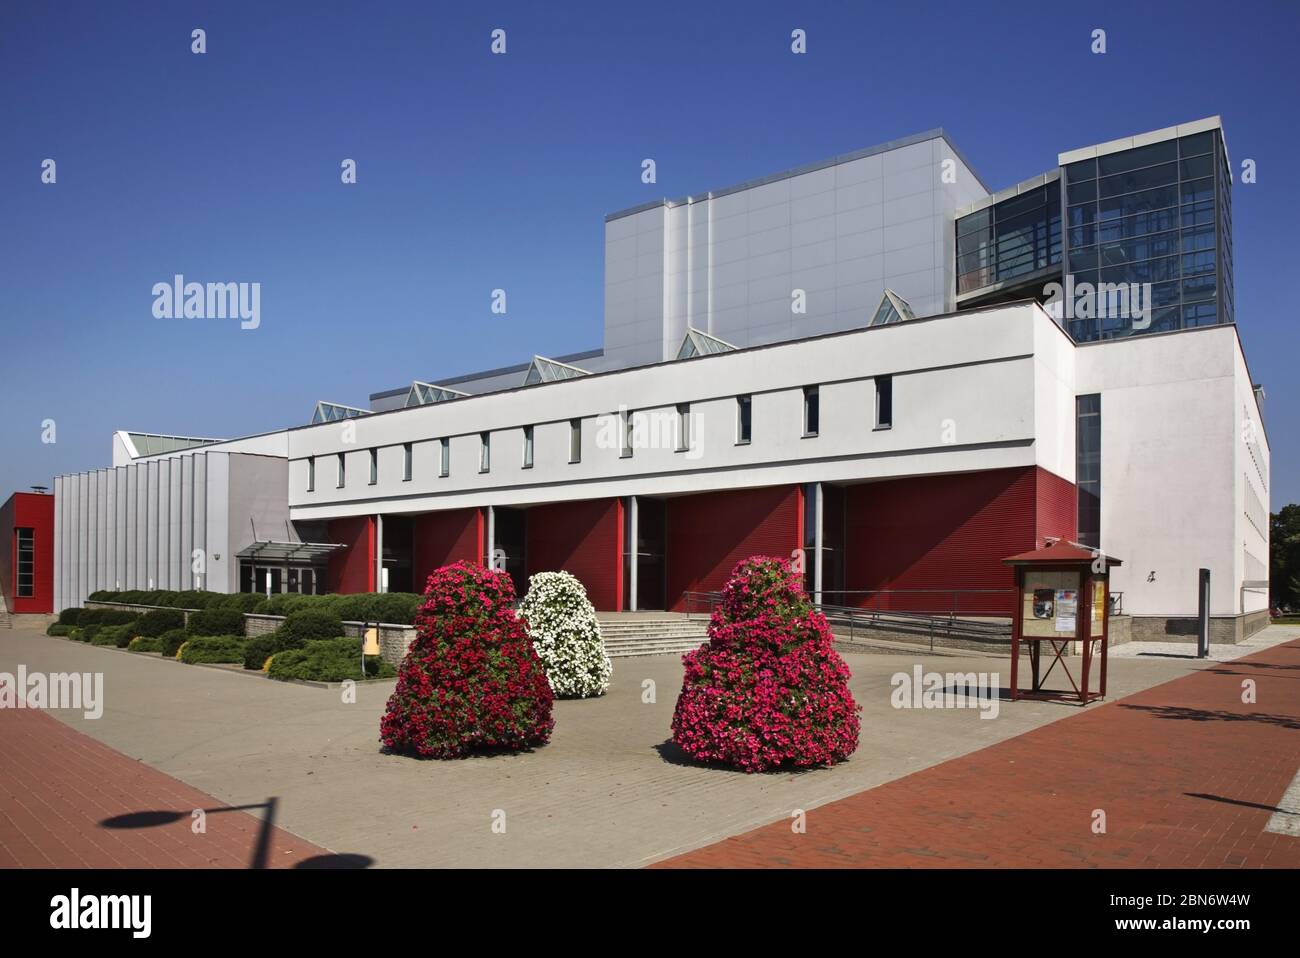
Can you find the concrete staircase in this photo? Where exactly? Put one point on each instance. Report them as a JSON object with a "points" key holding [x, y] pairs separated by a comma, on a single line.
{"points": [[641, 633]]}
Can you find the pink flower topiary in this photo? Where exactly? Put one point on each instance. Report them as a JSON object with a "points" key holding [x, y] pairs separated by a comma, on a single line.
{"points": [[471, 680], [768, 690]]}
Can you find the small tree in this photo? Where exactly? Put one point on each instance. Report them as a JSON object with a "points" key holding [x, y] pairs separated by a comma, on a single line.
{"points": [[471, 680], [566, 634], [768, 689]]}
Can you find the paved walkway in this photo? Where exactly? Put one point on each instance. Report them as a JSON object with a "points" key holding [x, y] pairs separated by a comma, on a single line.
{"points": [[607, 791], [68, 801], [1186, 774]]}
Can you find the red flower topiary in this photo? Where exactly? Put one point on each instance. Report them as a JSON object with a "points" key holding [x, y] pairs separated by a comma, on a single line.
{"points": [[471, 680], [768, 690]]}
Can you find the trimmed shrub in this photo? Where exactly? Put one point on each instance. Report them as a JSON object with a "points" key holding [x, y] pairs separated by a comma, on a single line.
{"points": [[113, 635], [562, 624], [146, 643], [471, 680], [397, 608], [77, 634], [216, 622], [155, 623], [88, 632], [239, 601], [170, 642], [69, 616], [307, 625], [58, 628], [212, 648], [767, 690], [327, 660]]}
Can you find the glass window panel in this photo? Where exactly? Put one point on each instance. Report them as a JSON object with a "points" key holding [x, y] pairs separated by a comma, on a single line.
{"points": [[1196, 190], [1136, 180], [1199, 314], [1199, 287], [1197, 143], [1163, 152], [1085, 258], [1081, 192], [1200, 262], [1083, 170], [1197, 167], [1156, 199], [974, 222]]}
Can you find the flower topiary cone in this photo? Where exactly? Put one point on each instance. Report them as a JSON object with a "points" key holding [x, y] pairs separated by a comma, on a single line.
{"points": [[768, 689], [566, 634], [471, 681]]}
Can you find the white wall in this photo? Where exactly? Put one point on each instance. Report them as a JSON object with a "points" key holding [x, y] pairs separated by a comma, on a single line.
{"points": [[728, 264], [969, 378], [1171, 467]]}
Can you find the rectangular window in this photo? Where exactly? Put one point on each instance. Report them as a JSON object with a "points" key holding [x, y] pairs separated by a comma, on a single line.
{"points": [[342, 471], [683, 426], [374, 466], [484, 451], [811, 410], [528, 447], [744, 419], [408, 454], [25, 573], [444, 458], [626, 451], [311, 473], [884, 402], [1087, 467], [575, 440]]}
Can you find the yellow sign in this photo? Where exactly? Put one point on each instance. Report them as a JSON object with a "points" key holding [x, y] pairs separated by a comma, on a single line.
{"points": [[370, 642]]}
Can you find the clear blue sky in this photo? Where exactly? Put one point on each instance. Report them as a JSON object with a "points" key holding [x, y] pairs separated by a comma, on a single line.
{"points": [[480, 171]]}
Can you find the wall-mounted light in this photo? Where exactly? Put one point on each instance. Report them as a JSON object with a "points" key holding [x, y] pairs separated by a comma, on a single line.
{"points": [[1151, 576]]}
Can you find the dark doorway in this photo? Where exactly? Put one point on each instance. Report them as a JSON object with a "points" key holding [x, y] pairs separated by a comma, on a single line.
{"points": [[649, 554], [398, 538], [511, 533]]}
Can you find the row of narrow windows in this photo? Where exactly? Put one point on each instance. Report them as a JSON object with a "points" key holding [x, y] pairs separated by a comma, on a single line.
{"points": [[884, 414]]}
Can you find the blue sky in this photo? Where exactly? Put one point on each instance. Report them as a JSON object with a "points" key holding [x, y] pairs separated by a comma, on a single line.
{"points": [[478, 171]]}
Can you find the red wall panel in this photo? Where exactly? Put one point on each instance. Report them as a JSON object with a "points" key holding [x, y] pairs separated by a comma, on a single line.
{"points": [[930, 535], [29, 510], [584, 538], [441, 538], [709, 533], [1058, 508], [353, 569]]}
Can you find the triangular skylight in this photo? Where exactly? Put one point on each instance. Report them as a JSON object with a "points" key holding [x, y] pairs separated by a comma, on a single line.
{"points": [[698, 343], [892, 309], [334, 412], [543, 370], [422, 394]]}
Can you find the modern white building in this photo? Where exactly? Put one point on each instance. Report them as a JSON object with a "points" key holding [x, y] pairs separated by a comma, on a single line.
{"points": [[850, 363]]}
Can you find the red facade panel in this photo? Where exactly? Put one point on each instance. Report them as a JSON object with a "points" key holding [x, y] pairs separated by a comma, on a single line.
{"points": [[709, 533], [920, 541], [441, 538], [584, 538], [29, 510], [1057, 508], [353, 569]]}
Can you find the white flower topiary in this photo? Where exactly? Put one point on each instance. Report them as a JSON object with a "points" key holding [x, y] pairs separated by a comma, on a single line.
{"points": [[566, 635]]}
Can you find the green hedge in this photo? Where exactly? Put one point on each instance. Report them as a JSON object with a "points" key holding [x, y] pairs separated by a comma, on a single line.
{"points": [[155, 623], [58, 628], [396, 608], [146, 643], [328, 660], [216, 622], [189, 599], [116, 636], [90, 617], [170, 642], [213, 648], [69, 616]]}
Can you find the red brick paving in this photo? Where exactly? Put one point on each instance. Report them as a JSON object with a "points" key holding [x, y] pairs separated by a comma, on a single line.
{"points": [[57, 786], [1186, 773]]}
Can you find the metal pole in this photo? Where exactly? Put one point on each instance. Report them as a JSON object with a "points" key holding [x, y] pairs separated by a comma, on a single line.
{"points": [[1203, 615]]}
